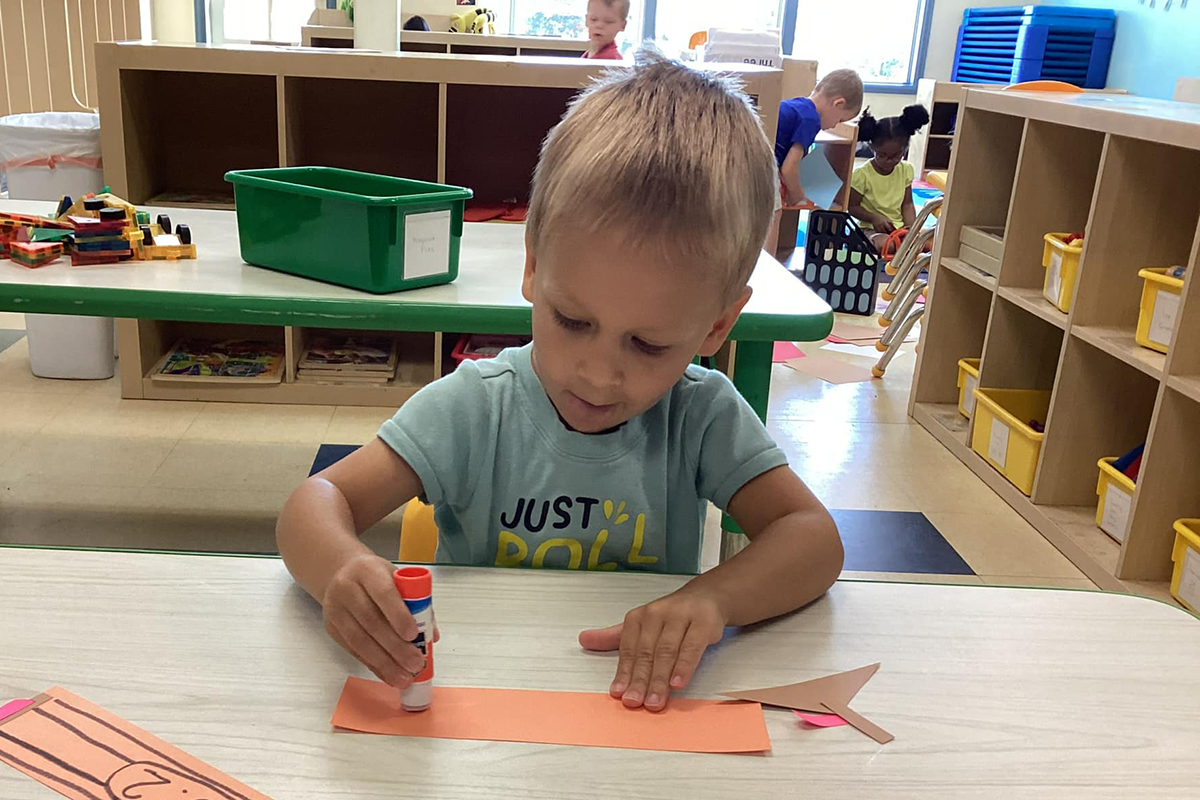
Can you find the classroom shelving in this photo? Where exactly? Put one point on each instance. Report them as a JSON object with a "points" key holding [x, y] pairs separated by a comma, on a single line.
{"points": [[175, 118], [1126, 171]]}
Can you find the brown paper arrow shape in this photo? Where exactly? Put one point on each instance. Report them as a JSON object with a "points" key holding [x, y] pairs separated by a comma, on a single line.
{"points": [[828, 695]]}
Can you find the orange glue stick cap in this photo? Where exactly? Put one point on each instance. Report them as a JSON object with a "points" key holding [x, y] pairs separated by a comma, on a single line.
{"points": [[413, 582]]}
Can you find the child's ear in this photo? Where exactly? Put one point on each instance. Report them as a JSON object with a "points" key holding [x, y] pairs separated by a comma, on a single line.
{"points": [[720, 329], [530, 268]]}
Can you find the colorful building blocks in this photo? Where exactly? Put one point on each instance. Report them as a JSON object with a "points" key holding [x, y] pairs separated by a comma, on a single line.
{"points": [[33, 255]]}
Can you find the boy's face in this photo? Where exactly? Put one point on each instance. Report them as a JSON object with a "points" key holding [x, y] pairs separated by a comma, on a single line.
{"points": [[604, 22], [834, 112], [614, 328]]}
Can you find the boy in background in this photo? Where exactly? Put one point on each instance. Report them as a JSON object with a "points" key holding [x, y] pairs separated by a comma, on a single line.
{"points": [[604, 20], [837, 98], [598, 445]]}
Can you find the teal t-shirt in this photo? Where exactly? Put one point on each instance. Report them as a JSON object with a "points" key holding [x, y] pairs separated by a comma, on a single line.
{"points": [[511, 485]]}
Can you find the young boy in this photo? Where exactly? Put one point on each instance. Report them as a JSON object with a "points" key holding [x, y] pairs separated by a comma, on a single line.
{"points": [[604, 20], [596, 446], [837, 98]]}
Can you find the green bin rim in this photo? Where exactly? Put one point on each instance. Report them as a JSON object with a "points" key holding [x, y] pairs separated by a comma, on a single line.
{"points": [[267, 179]]}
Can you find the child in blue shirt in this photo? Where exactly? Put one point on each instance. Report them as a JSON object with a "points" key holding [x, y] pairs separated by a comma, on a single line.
{"points": [[837, 98], [598, 445]]}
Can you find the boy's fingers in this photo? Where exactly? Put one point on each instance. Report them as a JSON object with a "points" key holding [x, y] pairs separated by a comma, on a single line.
{"points": [[602, 640], [642, 652], [371, 619], [666, 651], [629, 634], [385, 597], [690, 651], [346, 631]]}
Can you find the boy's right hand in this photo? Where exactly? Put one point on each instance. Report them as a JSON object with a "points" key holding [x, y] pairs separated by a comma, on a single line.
{"points": [[365, 615], [884, 225]]}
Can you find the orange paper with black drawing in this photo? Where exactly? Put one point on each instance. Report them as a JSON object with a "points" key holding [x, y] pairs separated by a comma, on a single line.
{"points": [[572, 718], [83, 752]]}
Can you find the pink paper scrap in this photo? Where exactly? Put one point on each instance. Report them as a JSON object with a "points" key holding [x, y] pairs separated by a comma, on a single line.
{"points": [[821, 720]]}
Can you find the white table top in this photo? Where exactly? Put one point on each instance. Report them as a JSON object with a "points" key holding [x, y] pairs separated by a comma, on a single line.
{"points": [[491, 261], [991, 692]]}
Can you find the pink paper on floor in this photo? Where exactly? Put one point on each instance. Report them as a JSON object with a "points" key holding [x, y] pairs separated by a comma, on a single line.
{"points": [[785, 350], [830, 370], [822, 720]]}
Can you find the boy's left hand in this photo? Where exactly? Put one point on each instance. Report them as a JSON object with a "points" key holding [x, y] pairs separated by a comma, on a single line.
{"points": [[660, 645]]}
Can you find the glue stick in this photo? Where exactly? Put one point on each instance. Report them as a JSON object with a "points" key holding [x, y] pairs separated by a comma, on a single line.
{"points": [[415, 585]]}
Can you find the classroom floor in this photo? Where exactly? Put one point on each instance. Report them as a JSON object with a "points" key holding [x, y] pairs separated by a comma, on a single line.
{"points": [[80, 466]]}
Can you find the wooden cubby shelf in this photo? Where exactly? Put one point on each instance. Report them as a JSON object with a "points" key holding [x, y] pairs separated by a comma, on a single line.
{"points": [[475, 120], [1126, 171]]}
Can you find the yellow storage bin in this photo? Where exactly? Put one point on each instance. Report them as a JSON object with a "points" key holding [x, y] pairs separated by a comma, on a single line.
{"points": [[1160, 307], [1185, 581], [968, 382], [1115, 491], [1061, 261], [1002, 433]]}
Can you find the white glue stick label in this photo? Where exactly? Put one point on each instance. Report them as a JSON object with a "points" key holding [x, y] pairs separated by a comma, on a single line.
{"points": [[415, 585]]}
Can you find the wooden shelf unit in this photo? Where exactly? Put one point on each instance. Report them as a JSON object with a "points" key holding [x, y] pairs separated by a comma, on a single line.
{"points": [[1126, 171], [176, 118], [494, 44]]}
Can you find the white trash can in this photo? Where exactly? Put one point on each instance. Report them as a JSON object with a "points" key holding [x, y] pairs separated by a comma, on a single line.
{"points": [[44, 156]]}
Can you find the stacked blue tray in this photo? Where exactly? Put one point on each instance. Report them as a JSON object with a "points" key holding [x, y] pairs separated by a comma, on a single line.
{"points": [[1029, 43]]}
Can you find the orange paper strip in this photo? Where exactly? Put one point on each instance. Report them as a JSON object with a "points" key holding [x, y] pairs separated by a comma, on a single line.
{"points": [[83, 752], [574, 718]]}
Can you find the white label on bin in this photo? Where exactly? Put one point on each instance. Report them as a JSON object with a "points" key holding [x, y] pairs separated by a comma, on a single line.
{"points": [[1162, 322], [1054, 278], [998, 444], [426, 244], [971, 384], [1189, 581], [1117, 503]]}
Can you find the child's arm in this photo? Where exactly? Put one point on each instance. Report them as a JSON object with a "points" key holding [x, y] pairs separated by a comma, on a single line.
{"points": [[908, 210], [790, 173], [877, 221], [318, 536], [793, 557]]}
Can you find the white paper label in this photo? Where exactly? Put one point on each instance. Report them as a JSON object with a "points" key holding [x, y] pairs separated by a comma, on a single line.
{"points": [[1189, 581], [1054, 278], [1117, 503], [998, 444], [426, 244], [969, 394], [1162, 321]]}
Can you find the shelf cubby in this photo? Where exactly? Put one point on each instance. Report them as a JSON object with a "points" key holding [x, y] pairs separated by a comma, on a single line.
{"points": [[180, 138], [1102, 407], [1168, 489], [1147, 204], [497, 161], [1021, 350], [956, 332], [983, 167], [1056, 178], [400, 138], [1185, 355]]}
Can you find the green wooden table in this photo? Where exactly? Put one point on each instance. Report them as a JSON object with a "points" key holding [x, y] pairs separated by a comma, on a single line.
{"points": [[486, 298]]}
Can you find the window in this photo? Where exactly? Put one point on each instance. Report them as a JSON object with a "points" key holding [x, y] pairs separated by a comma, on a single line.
{"points": [[882, 39], [676, 20], [258, 20], [565, 18]]}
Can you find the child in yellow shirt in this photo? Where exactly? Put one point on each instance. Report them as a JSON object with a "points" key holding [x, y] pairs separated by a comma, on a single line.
{"points": [[881, 189]]}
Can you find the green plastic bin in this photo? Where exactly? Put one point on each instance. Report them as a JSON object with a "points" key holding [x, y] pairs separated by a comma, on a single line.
{"points": [[370, 232]]}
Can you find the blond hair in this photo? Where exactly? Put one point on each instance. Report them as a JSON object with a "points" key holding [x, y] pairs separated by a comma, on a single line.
{"points": [[667, 158], [843, 83], [622, 6]]}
